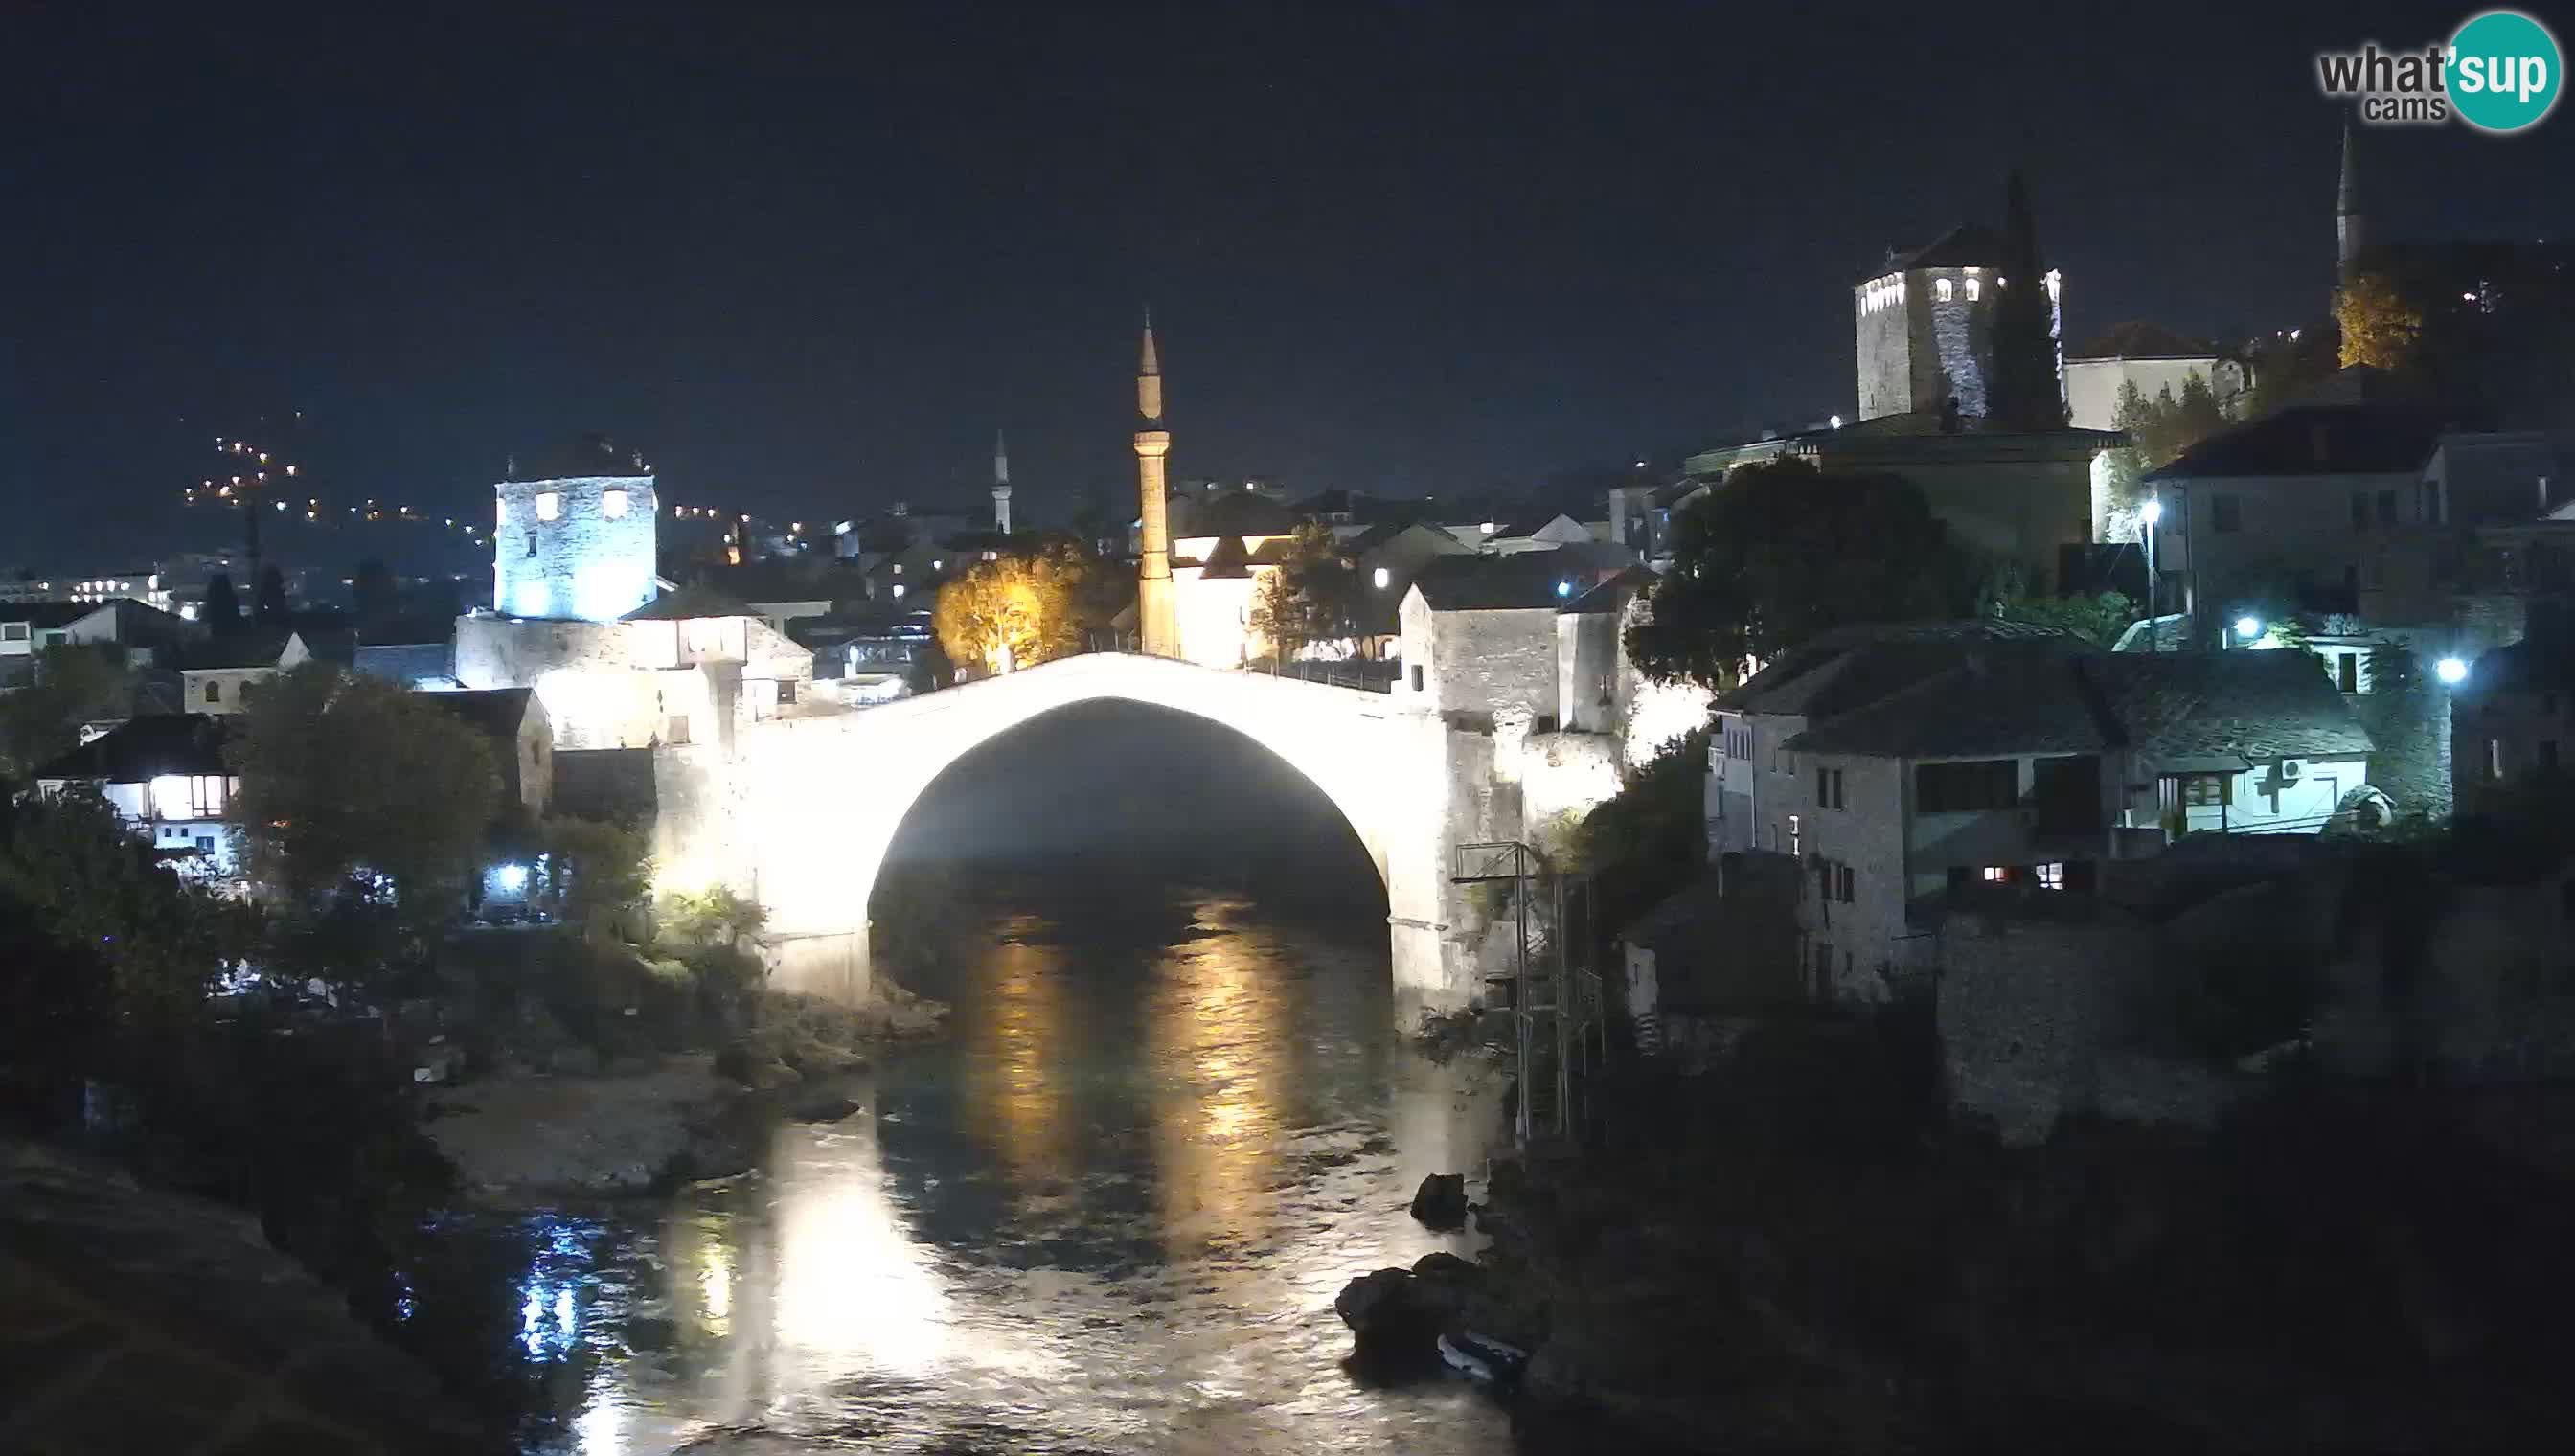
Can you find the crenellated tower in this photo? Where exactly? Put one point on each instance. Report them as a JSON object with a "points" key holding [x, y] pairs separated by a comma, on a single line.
{"points": [[1156, 622]]}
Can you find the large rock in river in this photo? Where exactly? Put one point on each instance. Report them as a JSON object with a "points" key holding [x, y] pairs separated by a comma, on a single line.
{"points": [[1440, 1202]]}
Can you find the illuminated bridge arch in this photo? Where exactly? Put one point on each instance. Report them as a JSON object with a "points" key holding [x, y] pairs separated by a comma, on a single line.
{"points": [[803, 815]]}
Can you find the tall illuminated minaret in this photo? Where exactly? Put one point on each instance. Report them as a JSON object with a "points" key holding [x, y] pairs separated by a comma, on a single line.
{"points": [[1000, 483], [1153, 618], [2349, 236]]}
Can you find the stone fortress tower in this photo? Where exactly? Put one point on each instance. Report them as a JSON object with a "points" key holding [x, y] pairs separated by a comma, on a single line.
{"points": [[1000, 483], [1155, 622], [574, 537], [1924, 323]]}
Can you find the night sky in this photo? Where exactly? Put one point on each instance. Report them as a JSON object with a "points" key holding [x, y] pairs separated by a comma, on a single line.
{"points": [[809, 260]]}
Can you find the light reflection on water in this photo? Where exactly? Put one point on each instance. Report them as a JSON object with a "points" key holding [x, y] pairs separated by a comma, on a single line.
{"points": [[1108, 1213]]}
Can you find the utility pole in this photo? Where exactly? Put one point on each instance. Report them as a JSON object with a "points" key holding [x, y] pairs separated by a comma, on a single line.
{"points": [[248, 480]]}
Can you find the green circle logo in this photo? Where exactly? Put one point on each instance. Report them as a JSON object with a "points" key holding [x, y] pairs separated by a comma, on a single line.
{"points": [[2504, 71]]}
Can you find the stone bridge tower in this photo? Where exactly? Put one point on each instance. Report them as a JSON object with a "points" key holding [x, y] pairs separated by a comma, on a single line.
{"points": [[1155, 625]]}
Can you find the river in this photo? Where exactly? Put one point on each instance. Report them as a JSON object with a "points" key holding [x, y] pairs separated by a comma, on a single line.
{"points": [[1107, 1212]]}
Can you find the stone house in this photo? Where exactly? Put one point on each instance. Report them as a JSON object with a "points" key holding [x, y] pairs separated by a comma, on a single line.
{"points": [[689, 667], [513, 721], [1905, 777], [165, 774], [2152, 357], [214, 675], [1479, 636]]}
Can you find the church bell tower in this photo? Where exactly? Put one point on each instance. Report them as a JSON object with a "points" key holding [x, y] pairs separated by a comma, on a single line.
{"points": [[1155, 621]]}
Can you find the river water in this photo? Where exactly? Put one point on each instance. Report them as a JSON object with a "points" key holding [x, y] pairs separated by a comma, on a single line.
{"points": [[1107, 1212]]}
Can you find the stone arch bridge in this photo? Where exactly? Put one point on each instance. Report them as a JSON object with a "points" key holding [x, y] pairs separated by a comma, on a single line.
{"points": [[799, 812]]}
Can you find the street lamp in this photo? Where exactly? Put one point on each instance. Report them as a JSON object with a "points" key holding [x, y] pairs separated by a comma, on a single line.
{"points": [[2451, 670], [2248, 628]]}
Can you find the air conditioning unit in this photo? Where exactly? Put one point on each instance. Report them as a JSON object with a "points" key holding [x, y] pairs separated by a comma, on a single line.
{"points": [[2288, 770]]}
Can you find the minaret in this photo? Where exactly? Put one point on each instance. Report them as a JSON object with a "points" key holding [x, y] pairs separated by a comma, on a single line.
{"points": [[2348, 233], [1000, 483], [1154, 621]]}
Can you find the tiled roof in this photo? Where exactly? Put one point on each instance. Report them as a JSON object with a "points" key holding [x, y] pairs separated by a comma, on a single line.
{"points": [[1851, 667], [2261, 705], [2137, 339], [1612, 595], [494, 711], [2522, 665], [1968, 244], [145, 747], [1226, 559], [2004, 698], [2313, 439], [1526, 581], [238, 650], [688, 604], [47, 614], [407, 663]]}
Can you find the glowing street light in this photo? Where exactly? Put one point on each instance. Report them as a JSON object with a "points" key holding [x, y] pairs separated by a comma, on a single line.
{"points": [[2451, 670], [2151, 513], [2248, 628]]}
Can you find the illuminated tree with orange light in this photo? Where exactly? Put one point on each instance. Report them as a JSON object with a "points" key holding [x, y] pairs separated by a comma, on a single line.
{"points": [[1013, 611], [2378, 326]]}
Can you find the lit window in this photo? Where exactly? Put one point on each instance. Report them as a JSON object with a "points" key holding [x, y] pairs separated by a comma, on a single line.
{"points": [[2051, 877], [898, 591], [1941, 289], [611, 504], [1997, 874], [548, 504], [1976, 288], [937, 566]]}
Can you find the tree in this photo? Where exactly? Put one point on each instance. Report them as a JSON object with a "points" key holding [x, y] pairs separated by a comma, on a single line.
{"points": [[2097, 619], [222, 612], [713, 917], [1313, 597], [348, 778], [1651, 837], [373, 594], [2162, 428], [270, 609], [2027, 392], [72, 871], [1016, 610], [2379, 327], [600, 867], [1779, 552], [76, 683]]}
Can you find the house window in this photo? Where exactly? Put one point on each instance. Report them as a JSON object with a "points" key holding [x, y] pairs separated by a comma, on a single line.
{"points": [[2387, 508], [1941, 289], [1416, 676], [1965, 787], [1842, 874], [611, 504], [1996, 874], [548, 504], [13, 631], [2051, 877], [2347, 672], [1828, 789], [213, 692], [1796, 838], [786, 693], [1975, 287], [205, 844], [2207, 791], [532, 543], [1823, 966], [679, 729], [2226, 515]]}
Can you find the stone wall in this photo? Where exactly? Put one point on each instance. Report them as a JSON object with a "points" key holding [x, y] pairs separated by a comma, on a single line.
{"points": [[583, 563], [1884, 345], [1484, 661]]}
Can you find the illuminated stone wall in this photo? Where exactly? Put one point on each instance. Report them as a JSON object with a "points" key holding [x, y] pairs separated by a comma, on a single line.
{"points": [[583, 563]]}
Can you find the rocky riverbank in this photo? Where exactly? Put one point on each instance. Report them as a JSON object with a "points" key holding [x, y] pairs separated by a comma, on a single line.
{"points": [[1783, 1258], [523, 1135]]}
